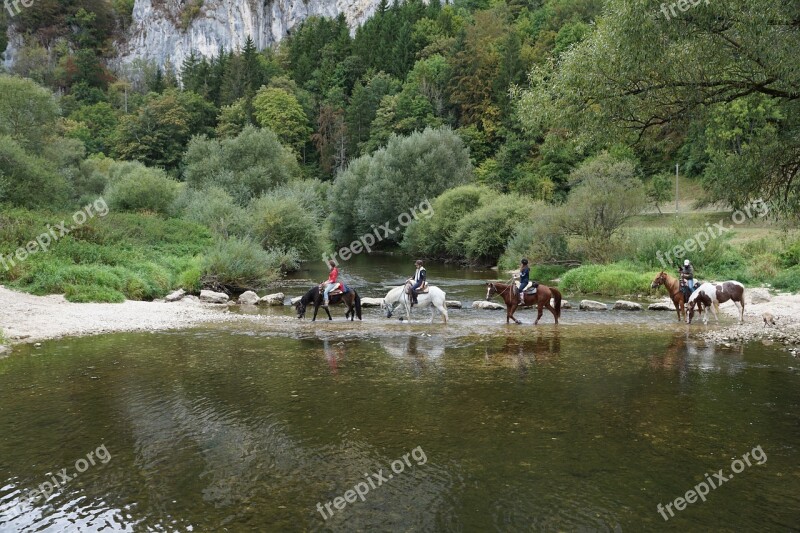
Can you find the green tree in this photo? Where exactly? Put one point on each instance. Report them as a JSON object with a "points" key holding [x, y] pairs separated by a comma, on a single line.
{"points": [[28, 112], [279, 110]]}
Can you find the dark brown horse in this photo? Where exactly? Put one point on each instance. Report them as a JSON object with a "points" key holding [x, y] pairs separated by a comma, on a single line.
{"points": [[351, 299], [674, 289], [541, 299]]}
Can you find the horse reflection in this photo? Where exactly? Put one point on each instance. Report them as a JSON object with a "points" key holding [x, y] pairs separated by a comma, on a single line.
{"points": [[523, 351]]}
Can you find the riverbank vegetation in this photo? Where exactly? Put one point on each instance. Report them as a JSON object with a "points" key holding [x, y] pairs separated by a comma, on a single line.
{"points": [[229, 171]]}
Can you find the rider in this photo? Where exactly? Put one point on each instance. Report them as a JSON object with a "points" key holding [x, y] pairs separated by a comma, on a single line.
{"points": [[524, 282], [687, 273], [331, 282], [418, 280]]}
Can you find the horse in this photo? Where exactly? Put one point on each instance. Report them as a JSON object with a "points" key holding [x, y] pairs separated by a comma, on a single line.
{"points": [[711, 295], [315, 295], [540, 299], [435, 298], [674, 289]]}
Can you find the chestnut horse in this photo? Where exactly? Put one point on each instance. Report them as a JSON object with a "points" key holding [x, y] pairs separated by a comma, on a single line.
{"points": [[541, 299], [674, 289]]}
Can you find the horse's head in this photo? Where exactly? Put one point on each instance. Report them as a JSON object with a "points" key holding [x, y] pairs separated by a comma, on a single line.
{"points": [[491, 290], [690, 311], [389, 308], [660, 280], [300, 307]]}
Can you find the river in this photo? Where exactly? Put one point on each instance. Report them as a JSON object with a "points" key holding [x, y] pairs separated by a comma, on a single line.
{"points": [[588, 425]]}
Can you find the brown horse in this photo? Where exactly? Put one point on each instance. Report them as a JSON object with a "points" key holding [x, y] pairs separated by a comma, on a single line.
{"points": [[674, 289], [314, 296], [541, 299]]}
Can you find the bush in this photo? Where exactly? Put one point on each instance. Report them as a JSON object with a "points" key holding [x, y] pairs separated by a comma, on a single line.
{"points": [[613, 279], [142, 189], [482, 235], [377, 188], [241, 263], [29, 180], [284, 223], [788, 280], [540, 238], [246, 166], [215, 209], [428, 237]]}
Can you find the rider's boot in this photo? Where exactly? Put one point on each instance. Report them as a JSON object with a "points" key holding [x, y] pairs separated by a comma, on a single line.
{"points": [[325, 302]]}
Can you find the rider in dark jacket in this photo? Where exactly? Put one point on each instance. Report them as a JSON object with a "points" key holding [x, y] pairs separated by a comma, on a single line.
{"points": [[419, 280], [687, 273], [524, 280]]}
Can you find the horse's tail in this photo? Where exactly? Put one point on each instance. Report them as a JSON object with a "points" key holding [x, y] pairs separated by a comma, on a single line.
{"points": [[358, 305], [557, 300]]}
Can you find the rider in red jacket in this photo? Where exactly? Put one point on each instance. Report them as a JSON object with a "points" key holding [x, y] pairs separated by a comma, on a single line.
{"points": [[333, 279]]}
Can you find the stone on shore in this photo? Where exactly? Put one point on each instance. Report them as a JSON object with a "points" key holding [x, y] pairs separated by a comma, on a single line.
{"points": [[453, 304], [625, 305], [591, 305], [175, 296], [483, 304], [371, 302], [757, 296], [660, 306], [248, 298], [273, 299], [211, 297]]}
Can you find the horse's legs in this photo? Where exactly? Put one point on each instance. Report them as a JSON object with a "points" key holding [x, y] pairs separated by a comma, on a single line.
{"points": [[550, 307], [716, 311], [316, 309], [539, 312], [327, 310], [679, 308]]}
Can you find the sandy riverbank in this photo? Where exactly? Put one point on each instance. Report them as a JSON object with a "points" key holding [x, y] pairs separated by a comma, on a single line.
{"points": [[28, 318]]}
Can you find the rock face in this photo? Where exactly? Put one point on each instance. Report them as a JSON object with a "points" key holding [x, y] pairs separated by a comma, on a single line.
{"points": [[273, 299], [483, 304], [248, 298], [211, 297], [757, 296], [371, 302], [591, 305], [175, 296], [660, 307], [625, 305], [164, 32]]}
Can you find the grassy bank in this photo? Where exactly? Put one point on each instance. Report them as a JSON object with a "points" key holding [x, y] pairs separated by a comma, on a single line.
{"points": [[109, 259]]}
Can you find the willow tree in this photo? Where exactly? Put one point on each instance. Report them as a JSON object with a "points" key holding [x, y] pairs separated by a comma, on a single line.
{"points": [[651, 68]]}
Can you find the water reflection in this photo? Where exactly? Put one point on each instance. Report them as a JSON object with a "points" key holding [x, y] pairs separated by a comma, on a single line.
{"points": [[687, 354]]}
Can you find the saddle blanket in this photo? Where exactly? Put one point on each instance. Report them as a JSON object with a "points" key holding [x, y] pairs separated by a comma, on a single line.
{"points": [[339, 288]]}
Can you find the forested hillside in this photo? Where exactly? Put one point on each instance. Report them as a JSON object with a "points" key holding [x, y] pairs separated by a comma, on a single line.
{"points": [[535, 128]]}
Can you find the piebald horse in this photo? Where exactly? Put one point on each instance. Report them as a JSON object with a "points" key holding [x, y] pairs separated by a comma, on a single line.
{"points": [[710, 295]]}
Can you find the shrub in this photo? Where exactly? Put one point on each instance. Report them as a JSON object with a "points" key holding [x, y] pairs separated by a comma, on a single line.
{"points": [[29, 180], [216, 209], [613, 279], [284, 223], [245, 166], [142, 189], [540, 238], [377, 188], [429, 236], [788, 279], [482, 235], [241, 263]]}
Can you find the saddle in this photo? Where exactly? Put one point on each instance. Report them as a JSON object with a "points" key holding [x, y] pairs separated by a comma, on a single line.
{"points": [[422, 290], [339, 288]]}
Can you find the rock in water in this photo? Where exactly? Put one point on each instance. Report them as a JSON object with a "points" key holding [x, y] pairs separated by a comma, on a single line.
{"points": [[660, 307], [564, 304], [625, 305], [248, 298], [483, 304], [273, 299], [371, 302], [757, 296], [175, 296], [453, 304], [591, 305], [211, 297], [296, 299]]}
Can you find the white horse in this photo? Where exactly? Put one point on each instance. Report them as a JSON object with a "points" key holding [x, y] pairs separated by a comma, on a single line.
{"points": [[434, 298]]}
